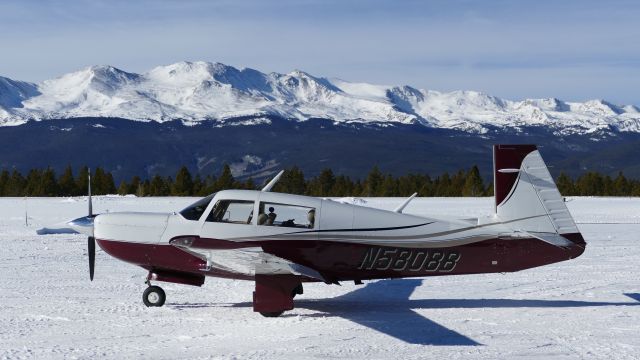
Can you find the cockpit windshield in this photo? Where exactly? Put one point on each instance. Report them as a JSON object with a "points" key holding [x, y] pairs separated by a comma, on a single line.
{"points": [[195, 210]]}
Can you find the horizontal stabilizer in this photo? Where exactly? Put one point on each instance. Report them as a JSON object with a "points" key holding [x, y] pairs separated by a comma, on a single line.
{"points": [[552, 238]]}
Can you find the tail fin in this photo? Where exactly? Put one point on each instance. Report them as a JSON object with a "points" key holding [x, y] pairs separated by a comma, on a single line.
{"points": [[526, 196]]}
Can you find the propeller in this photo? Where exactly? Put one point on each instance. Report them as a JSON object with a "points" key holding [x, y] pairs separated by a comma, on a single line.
{"points": [[92, 255], [91, 241], [84, 225]]}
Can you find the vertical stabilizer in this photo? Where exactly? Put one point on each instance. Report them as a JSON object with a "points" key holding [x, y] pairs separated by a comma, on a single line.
{"points": [[526, 197], [506, 159]]}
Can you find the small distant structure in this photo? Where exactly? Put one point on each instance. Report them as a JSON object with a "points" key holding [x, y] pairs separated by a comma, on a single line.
{"points": [[26, 214]]}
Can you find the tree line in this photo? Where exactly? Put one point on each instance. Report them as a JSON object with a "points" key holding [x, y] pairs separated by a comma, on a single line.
{"points": [[45, 182]]}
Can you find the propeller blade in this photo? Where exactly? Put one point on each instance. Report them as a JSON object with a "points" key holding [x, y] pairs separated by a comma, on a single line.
{"points": [[92, 255]]}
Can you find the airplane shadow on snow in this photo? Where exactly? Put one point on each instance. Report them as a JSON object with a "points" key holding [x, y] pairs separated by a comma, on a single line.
{"points": [[385, 306]]}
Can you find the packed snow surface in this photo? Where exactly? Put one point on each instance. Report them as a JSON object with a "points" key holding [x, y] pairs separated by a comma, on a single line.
{"points": [[196, 91], [587, 308]]}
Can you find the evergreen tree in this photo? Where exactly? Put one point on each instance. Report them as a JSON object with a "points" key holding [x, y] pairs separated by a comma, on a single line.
{"points": [[225, 180], [158, 187], [169, 184], [123, 189], [607, 186], [250, 185], [473, 185], [208, 185], [343, 186], [33, 183], [291, 182], [16, 184], [565, 185], [103, 182], [322, 185], [389, 187], [134, 185], [143, 188], [457, 184], [590, 183], [82, 181], [197, 185], [357, 188], [183, 186], [48, 184], [443, 184], [372, 186], [43, 182], [621, 185], [67, 182], [4, 179], [489, 190], [426, 186]]}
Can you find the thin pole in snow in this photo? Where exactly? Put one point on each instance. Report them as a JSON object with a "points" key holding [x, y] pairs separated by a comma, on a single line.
{"points": [[26, 214]]}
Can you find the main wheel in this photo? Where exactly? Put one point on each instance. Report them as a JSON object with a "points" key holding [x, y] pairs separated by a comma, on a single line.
{"points": [[298, 290], [272, 314], [154, 296]]}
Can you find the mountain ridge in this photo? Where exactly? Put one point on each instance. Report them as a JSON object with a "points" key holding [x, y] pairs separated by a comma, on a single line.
{"points": [[197, 91]]}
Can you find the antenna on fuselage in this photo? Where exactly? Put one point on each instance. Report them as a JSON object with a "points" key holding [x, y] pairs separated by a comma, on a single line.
{"points": [[405, 203], [273, 182]]}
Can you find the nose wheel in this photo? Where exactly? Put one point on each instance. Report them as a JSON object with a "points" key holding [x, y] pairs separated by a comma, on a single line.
{"points": [[154, 296]]}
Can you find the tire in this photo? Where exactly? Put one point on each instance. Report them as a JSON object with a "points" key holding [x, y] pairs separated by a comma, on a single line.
{"points": [[298, 290], [272, 314], [153, 296]]}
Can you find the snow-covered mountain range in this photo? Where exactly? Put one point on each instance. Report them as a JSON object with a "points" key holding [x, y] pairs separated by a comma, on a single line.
{"points": [[196, 91]]}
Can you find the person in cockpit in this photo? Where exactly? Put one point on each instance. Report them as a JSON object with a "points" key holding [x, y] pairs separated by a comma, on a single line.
{"points": [[271, 217]]}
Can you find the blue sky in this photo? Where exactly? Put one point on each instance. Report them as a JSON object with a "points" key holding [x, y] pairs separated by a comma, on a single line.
{"points": [[573, 50]]}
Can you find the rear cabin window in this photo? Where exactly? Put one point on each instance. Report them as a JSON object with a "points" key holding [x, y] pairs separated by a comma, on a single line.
{"points": [[232, 212], [195, 210], [285, 215]]}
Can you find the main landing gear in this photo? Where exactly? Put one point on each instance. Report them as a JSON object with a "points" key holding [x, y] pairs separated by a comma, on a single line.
{"points": [[153, 296], [274, 294]]}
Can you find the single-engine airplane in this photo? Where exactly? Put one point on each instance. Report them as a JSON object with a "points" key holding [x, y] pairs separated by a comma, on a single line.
{"points": [[281, 241]]}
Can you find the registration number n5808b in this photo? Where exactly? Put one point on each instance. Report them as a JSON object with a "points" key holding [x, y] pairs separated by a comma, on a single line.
{"points": [[414, 260]]}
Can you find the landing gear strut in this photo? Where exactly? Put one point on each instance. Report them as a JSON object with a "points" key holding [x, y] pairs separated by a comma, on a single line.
{"points": [[153, 296]]}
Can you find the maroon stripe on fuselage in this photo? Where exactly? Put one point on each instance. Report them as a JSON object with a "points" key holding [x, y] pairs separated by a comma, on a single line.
{"points": [[352, 261], [341, 261], [337, 261], [156, 257]]}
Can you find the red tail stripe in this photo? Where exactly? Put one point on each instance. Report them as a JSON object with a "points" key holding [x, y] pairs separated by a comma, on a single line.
{"points": [[507, 157]]}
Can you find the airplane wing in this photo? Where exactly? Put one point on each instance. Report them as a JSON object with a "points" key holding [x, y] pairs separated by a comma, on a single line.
{"points": [[250, 261]]}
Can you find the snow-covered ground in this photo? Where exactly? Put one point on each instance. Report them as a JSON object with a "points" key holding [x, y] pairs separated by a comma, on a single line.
{"points": [[582, 309]]}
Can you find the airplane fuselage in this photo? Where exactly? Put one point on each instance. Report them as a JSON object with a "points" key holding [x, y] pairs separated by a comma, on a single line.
{"points": [[354, 243]]}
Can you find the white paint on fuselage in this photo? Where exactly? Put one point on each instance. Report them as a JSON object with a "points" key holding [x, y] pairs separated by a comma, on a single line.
{"points": [[135, 227], [334, 221]]}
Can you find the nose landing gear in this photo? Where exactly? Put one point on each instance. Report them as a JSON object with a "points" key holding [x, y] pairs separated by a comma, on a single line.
{"points": [[153, 296]]}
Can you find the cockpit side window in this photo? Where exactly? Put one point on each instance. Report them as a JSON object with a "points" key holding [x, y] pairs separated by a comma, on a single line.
{"points": [[232, 212], [285, 215], [194, 211]]}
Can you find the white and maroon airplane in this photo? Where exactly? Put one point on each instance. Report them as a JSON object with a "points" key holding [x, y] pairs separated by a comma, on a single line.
{"points": [[282, 240]]}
